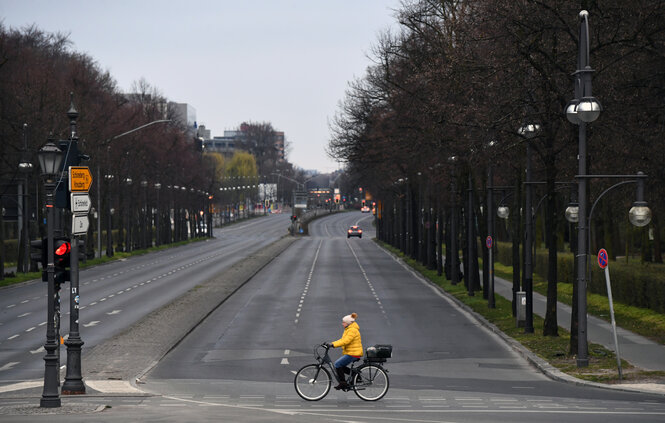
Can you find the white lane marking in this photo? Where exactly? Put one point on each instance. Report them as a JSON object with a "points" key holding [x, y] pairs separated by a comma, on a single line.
{"points": [[12, 337], [38, 350], [25, 314], [285, 361], [31, 329], [309, 279], [369, 283], [111, 313], [11, 305], [93, 323], [9, 365]]}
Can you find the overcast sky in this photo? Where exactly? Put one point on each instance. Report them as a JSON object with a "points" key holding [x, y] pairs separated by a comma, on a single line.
{"points": [[287, 62]]}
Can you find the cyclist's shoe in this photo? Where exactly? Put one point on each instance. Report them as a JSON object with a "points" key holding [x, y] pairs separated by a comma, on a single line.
{"points": [[343, 386], [342, 377]]}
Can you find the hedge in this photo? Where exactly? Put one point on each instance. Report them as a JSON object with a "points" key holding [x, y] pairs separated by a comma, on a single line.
{"points": [[636, 284]]}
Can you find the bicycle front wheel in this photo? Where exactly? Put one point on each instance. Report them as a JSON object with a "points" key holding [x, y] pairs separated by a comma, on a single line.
{"points": [[370, 383], [312, 382]]}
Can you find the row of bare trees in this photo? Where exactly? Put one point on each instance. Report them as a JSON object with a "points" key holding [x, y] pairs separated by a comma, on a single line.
{"points": [[460, 77], [155, 177]]}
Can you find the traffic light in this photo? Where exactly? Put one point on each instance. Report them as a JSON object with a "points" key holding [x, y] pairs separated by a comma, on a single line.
{"points": [[38, 254], [294, 218], [62, 248]]}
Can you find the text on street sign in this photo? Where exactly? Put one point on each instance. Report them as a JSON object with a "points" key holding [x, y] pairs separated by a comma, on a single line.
{"points": [[80, 224], [80, 203], [80, 178]]}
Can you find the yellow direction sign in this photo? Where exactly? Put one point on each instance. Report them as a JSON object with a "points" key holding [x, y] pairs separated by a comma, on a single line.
{"points": [[80, 179]]}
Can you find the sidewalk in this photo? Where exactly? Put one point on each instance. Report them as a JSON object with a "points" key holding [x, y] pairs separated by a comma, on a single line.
{"points": [[636, 349]]}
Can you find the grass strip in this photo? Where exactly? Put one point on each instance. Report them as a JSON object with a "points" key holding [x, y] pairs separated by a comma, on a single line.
{"points": [[645, 322], [553, 349]]}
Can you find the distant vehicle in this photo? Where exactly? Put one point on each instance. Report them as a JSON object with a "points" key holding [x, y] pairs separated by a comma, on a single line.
{"points": [[354, 231], [365, 209]]}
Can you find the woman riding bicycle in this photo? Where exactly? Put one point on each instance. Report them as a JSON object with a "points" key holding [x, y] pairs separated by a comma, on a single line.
{"points": [[352, 348]]}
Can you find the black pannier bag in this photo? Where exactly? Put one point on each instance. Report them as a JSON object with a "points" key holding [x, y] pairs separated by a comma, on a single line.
{"points": [[379, 352]]}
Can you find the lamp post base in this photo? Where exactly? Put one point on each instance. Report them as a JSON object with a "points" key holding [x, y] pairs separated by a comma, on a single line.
{"points": [[73, 384], [582, 362]]}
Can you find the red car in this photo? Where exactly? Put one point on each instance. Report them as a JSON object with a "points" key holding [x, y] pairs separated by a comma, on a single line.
{"points": [[354, 231]]}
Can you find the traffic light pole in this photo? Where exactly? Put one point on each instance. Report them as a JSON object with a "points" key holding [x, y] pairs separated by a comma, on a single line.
{"points": [[50, 396], [73, 380]]}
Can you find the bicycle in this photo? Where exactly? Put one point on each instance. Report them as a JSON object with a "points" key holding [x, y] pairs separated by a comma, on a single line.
{"points": [[369, 380]]}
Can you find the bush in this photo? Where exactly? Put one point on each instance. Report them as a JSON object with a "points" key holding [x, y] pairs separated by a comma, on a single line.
{"points": [[636, 284]]}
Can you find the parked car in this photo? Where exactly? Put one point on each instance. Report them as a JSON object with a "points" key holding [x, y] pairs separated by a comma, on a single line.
{"points": [[365, 209], [354, 231]]}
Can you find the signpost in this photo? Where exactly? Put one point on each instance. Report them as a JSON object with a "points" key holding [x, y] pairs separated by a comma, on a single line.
{"points": [[80, 181], [603, 262]]}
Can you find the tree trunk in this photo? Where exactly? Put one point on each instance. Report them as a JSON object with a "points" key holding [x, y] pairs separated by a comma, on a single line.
{"points": [[551, 327]]}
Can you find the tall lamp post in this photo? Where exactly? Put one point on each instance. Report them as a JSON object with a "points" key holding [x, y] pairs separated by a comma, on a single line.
{"points": [[50, 159], [583, 109], [528, 131], [25, 167], [454, 265]]}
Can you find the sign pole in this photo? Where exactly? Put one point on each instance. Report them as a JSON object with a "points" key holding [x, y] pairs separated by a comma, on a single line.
{"points": [[80, 180], [603, 263]]}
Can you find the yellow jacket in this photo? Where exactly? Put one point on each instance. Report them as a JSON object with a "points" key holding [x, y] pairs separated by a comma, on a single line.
{"points": [[350, 341]]}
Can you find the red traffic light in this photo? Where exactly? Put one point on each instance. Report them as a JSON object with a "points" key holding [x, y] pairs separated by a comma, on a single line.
{"points": [[61, 249]]}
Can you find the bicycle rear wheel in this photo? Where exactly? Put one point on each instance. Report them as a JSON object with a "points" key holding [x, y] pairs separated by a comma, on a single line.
{"points": [[312, 382], [370, 383]]}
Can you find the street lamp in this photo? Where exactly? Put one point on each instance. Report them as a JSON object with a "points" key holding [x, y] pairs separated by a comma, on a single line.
{"points": [[640, 214], [50, 159], [528, 131], [158, 186], [454, 265], [25, 167], [128, 229], [144, 217], [582, 110]]}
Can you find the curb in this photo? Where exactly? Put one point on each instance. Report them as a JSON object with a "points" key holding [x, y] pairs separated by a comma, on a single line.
{"points": [[542, 365]]}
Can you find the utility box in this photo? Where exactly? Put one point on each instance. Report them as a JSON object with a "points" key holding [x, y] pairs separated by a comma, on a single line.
{"points": [[520, 309]]}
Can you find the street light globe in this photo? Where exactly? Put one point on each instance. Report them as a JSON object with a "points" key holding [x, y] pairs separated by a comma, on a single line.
{"points": [[503, 212], [528, 130], [25, 166], [639, 215], [589, 109], [571, 112], [573, 213]]}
